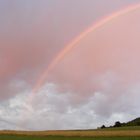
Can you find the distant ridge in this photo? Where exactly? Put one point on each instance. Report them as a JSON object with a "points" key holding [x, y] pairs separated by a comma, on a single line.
{"points": [[135, 122]]}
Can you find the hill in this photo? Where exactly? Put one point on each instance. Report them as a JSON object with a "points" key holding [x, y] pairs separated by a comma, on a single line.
{"points": [[131, 124], [135, 122]]}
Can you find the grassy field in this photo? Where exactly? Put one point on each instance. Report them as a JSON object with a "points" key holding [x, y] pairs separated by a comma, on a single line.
{"points": [[123, 133], [11, 137], [123, 128]]}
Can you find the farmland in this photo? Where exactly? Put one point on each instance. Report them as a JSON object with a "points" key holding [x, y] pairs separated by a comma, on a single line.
{"points": [[10, 137], [124, 133]]}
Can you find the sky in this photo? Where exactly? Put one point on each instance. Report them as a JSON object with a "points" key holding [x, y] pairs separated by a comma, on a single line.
{"points": [[96, 83]]}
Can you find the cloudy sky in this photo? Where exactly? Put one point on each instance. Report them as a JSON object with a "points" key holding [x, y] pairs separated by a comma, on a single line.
{"points": [[97, 82]]}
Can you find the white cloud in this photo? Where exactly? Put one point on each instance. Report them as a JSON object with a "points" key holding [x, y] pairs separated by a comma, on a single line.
{"points": [[49, 109]]}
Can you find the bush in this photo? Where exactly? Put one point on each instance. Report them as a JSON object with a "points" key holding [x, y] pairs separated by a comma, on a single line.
{"points": [[103, 126], [117, 124]]}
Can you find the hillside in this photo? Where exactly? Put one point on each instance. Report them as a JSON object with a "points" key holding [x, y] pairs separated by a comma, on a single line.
{"points": [[135, 122]]}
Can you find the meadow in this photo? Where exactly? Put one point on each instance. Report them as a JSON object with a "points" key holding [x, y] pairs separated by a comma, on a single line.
{"points": [[123, 133], [11, 137]]}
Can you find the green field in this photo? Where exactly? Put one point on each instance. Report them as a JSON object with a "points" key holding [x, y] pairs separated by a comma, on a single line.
{"points": [[10, 137]]}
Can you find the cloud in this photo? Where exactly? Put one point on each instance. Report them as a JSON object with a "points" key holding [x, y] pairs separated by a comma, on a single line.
{"points": [[54, 110]]}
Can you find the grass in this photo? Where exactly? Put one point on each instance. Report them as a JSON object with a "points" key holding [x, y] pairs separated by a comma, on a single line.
{"points": [[87, 133], [12, 137], [122, 133], [123, 128]]}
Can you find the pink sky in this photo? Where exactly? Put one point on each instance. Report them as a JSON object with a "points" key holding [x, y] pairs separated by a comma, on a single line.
{"points": [[101, 71]]}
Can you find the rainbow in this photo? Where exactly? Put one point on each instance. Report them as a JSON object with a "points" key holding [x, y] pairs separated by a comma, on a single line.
{"points": [[67, 49], [76, 40]]}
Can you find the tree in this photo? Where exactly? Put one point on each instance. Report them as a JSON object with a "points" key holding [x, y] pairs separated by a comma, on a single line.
{"points": [[138, 123], [117, 124], [103, 126]]}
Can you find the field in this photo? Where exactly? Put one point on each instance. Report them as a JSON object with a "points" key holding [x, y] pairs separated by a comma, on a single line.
{"points": [[10, 137], [124, 133]]}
